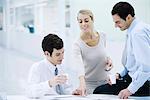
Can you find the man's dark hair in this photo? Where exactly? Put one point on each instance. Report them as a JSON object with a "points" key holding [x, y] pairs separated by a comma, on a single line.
{"points": [[123, 9], [51, 42]]}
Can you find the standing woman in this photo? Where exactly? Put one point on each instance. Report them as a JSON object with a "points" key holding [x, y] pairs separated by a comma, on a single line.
{"points": [[90, 56]]}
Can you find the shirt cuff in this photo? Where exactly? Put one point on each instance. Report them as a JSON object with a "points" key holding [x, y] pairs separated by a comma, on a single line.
{"points": [[123, 72], [132, 88], [45, 85]]}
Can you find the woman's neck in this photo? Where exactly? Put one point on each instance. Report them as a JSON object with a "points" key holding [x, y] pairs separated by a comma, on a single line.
{"points": [[91, 39], [89, 35]]}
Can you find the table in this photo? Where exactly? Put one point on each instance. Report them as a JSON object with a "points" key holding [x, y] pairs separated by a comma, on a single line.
{"points": [[73, 97]]}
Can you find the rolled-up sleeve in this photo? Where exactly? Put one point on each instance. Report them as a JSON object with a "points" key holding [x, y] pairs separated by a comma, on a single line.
{"points": [[35, 87], [141, 50]]}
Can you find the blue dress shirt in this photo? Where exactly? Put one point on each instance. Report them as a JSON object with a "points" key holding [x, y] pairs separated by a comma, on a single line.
{"points": [[136, 55]]}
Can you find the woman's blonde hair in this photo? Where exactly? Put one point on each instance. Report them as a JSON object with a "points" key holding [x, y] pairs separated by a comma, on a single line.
{"points": [[86, 12]]}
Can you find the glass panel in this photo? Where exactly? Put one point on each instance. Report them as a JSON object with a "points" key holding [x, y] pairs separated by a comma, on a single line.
{"points": [[67, 14], [25, 18], [1, 18]]}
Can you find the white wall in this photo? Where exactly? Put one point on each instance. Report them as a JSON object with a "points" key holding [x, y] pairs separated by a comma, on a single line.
{"points": [[23, 41], [102, 13]]}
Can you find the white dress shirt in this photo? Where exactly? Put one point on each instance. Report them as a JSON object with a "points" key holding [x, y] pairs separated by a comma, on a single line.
{"points": [[136, 56], [39, 75]]}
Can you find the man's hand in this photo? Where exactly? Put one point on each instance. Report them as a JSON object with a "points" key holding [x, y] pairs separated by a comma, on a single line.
{"points": [[59, 79], [117, 76], [124, 94]]}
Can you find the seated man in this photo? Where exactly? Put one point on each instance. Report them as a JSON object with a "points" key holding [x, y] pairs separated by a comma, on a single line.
{"points": [[47, 77]]}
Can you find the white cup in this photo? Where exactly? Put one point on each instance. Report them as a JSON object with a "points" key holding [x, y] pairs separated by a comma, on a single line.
{"points": [[112, 78], [65, 74]]}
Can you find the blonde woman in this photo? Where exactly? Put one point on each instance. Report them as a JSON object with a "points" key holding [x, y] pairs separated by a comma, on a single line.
{"points": [[90, 56]]}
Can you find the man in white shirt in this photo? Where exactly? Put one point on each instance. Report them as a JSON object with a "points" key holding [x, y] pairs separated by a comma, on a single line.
{"points": [[47, 77]]}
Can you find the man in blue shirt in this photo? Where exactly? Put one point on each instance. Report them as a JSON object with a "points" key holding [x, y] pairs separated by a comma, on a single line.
{"points": [[135, 78]]}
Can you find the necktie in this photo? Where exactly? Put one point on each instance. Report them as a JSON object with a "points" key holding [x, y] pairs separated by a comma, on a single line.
{"points": [[58, 87]]}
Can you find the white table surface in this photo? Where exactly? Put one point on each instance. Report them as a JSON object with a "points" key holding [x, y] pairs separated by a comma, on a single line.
{"points": [[72, 97]]}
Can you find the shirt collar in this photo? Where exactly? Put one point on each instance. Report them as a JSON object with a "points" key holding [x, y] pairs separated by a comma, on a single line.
{"points": [[132, 25], [51, 67]]}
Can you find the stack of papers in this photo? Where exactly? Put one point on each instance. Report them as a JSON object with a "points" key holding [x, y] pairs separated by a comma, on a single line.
{"points": [[74, 97]]}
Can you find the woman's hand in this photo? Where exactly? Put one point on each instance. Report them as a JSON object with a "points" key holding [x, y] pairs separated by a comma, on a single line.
{"points": [[76, 92], [109, 64], [81, 90]]}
